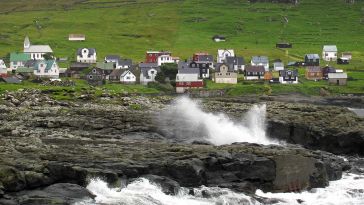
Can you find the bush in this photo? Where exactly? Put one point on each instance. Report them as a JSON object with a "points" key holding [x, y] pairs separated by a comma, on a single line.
{"points": [[162, 87]]}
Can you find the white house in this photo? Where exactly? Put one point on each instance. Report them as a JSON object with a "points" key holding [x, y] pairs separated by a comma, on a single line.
{"points": [[329, 53], [260, 61], [278, 66], [36, 52], [148, 71], [86, 55], [76, 37], [127, 77], [164, 59], [3, 69], [46, 69], [223, 53], [2, 64], [167, 58]]}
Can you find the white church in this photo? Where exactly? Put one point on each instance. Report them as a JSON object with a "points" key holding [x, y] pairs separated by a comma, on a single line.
{"points": [[36, 52]]}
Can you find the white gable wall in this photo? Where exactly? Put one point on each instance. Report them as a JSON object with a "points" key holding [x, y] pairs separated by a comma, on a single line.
{"points": [[128, 77], [84, 58], [222, 54], [150, 78]]}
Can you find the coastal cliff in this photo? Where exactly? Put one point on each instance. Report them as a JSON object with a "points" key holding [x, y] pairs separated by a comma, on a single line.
{"points": [[47, 145]]}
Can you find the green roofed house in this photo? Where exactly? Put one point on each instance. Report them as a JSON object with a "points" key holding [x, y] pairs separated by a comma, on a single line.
{"points": [[25, 71], [18, 60], [46, 69], [106, 67]]}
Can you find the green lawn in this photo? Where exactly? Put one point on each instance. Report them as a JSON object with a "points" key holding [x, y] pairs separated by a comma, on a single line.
{"points": [[130, 27]]}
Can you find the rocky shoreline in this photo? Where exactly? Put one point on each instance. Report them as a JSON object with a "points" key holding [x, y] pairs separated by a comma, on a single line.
{"points": [[49, 150]]}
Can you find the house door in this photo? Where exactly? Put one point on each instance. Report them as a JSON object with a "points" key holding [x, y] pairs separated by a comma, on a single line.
{"points": [[337, 82]]}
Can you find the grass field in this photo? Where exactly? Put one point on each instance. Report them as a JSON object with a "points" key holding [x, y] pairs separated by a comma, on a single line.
{"points": [[130, 27]]}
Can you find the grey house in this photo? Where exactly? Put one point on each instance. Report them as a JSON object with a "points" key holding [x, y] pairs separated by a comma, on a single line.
{"points": [[237, 63], [260, 61], [312, 60], [119, 63]]}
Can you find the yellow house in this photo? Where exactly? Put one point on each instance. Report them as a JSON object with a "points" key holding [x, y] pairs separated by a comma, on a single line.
{"points": [[225, 74]]}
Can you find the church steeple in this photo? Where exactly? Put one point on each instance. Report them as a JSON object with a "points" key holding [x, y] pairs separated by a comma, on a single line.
{"points": [[26, 42]]}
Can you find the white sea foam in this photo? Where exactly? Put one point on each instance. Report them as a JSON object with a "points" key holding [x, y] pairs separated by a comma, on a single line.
{"points": [[347, 191], [143, 192], [220, 128]]}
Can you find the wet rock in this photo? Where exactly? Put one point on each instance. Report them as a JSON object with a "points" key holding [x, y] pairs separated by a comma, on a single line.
{"points": [[168, 186], [11, 178], [62, 193]]}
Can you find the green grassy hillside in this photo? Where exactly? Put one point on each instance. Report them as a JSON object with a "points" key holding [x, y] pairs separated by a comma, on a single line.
{"points": [[130, 27]]}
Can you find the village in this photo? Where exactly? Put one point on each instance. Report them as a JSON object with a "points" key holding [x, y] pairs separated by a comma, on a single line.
{"points": [[38, 62]]}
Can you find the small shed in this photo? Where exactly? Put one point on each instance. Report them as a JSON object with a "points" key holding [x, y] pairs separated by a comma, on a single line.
{"points": [[346, 55], [314, 73], [283, 45], [218, 38], [338, 78], [11, 80], [77, 37], [268, 75]]}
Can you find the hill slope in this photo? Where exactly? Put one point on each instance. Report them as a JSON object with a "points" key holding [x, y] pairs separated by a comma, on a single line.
{"points": [[130, 27]]}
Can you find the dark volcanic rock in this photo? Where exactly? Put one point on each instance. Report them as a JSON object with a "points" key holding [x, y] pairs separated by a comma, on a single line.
{"points": [[168, 186], [55, 194], [52, 143]]}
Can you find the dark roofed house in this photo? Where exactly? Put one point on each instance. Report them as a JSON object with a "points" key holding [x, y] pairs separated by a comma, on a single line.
{"points": [[30, 64], [204, 58], [96, 77], [188, 77], [218, 38], [76, 69], [312, 60], [124, 63], [237, 63], [254, 72], [326, 70], [288, 76], [112, 58], [313, 73], [148, 71], [86, 55], [283, 45]]}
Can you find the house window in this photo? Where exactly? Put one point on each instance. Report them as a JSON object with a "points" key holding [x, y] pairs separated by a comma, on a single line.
{"points": [[152, 72], [128, 78]]}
